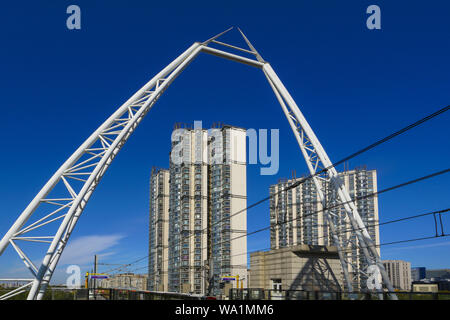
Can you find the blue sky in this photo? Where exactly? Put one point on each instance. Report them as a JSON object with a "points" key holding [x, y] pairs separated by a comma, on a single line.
{"points": [[353, 85]]}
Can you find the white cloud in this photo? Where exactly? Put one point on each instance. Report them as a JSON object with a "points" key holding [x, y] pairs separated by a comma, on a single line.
{"points": [[18, 271], [81, 251]]}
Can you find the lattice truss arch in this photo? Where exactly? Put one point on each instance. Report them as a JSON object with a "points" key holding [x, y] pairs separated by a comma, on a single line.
{"points": [[81, 173]]}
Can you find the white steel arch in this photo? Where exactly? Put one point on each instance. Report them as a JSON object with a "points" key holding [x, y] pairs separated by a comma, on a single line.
{"points": [[82, 172]]}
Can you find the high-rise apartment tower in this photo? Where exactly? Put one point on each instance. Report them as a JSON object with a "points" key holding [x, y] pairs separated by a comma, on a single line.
{"points": [[297, 217]]}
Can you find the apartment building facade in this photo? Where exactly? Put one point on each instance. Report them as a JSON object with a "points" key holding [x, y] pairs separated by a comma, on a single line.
{"points": [[418, 273], [297, 216], [188, 211]]}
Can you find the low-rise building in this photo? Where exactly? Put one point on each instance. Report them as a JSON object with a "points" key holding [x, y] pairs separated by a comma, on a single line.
{"points": [[158, 230], [438, 273], [442, 284]]}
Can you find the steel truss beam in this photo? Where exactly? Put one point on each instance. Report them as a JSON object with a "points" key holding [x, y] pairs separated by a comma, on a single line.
{"points": [[82, 172]]}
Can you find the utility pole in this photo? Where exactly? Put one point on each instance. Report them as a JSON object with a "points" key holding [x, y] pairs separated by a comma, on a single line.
{"points": [[91, 281]]}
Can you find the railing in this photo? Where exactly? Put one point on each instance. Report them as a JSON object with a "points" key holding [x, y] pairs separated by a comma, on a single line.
{"points": [[262, 294], [234, 294]]}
